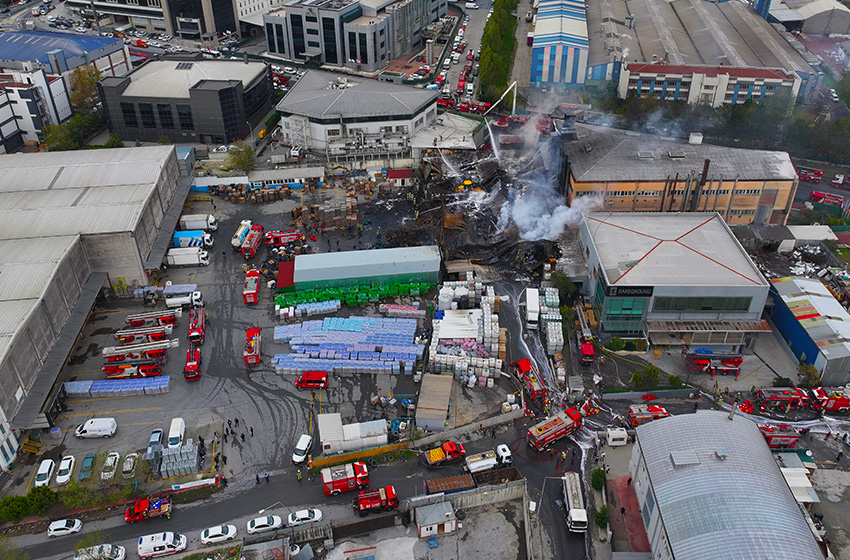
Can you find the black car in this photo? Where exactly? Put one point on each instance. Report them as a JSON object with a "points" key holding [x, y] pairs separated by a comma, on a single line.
{"points": [[4, 11]]}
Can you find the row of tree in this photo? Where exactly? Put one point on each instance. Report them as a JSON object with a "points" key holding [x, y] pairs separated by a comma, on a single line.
{"points": [[774, 124], [497, 50]]}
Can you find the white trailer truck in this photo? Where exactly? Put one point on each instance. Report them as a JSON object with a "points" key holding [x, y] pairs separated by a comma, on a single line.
{"points": [[206, 222], [187, 256], [576, 514], [182, 295], [532, 308]]}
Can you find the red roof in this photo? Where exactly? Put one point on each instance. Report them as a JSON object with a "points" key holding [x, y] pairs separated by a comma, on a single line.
{"points": [[285, 274], [710, 71], [399, 173]]}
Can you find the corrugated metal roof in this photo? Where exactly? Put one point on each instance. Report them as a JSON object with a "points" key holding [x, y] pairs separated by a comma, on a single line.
{"points": [[314, 96], [67, 221], [824, 319], [34, 45], [173, 79], [708, 506], [664, 249], [356, 264], [330, 426], [439, 512]]}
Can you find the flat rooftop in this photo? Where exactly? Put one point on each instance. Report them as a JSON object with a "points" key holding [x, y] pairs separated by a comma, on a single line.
{"points": [[824, 319], [613, 156], [665, 249], [173, 78], [688, 32]]}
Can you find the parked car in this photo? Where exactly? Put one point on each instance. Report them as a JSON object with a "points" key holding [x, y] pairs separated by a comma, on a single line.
{"points": [[217, 534], [155, 439], [64, 527], [305, 443], [110, 466], [264, 524], [838, 180], [304, 516], [87, 466], [128, 469], [66, 469], [45, 472]]}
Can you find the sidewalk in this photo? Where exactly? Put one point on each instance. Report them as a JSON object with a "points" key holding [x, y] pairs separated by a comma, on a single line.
{"points": [[629, 534]]}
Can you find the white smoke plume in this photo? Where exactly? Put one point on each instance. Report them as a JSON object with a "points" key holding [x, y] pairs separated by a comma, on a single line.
{"points": [[539, 212]]}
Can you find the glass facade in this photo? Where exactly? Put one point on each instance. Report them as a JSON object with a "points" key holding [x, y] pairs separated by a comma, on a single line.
{"points": [[184, 113], [146, 112], [166, 118], [230, 114], [364, 53], [696, 304], [621, 314], [297, 35], [329, 38], [128, 111]]}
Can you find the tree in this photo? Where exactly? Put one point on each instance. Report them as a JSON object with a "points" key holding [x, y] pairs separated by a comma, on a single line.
{"points": [[40, 499], [675, 381], [566, 287], [602, 517], [84, 94], [616, 344], [14, 508], [597, 479], [809, 376], [114, 141], [8, 551], [93, 538], [646, 379], [58, 138], [242, 158], [163, 139]]}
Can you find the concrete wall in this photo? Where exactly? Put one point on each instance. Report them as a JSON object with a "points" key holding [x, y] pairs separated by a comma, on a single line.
{"points": [[452, 434], [117, 255], [492, 494]]}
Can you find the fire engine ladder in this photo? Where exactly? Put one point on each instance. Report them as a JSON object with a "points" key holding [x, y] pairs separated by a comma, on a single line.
{"points": [[586, 334], [155, 315], [139, 348], [144, 330]]}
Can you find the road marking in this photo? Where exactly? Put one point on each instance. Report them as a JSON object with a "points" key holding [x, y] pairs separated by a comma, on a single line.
{"points": [[121, 411]]}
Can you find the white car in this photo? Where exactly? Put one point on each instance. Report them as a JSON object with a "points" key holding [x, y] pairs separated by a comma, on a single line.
{"points": [[304, 516], [45, 472], [64, 527], [265, 523], [217, 534], [166, 37], [81, 30], [66, 469], [289, 69], [110, 465]]}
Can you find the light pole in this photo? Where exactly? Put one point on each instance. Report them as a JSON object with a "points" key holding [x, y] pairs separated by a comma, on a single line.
{"points": [[262, 511]]}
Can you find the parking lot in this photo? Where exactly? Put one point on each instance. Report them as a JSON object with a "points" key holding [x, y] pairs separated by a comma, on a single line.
{"points": [[262, 400]]}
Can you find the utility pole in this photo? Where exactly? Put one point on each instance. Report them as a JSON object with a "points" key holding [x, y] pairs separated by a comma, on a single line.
{"points": [[96, 19]]}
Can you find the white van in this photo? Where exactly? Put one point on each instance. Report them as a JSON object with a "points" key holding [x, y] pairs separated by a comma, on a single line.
{"points": [[470, 89], [161, 544], [302, 448], [97, 427], [471, 6], [447, 63], [101, 552], [176, 433]]}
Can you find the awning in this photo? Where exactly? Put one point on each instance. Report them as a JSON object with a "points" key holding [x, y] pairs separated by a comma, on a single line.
{"points": [[37, 396], [169, 224], [707, 326]]}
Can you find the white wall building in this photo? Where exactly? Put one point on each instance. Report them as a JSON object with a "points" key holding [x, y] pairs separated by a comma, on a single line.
{"points": [[37, 100], [339, 114]]}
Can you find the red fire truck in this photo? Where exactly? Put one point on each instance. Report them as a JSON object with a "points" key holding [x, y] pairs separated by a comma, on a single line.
{"points": [[380, 499], [147, 351], [197, 326], [643, 413], [145, 334], [826, 198], [164, 317], [722, 364], [780, 436], [251, 289], [251, 354], [585, 338], [547, 432], [282, 238], [192, 371], [144, 509], [530, 380], [832, 399], [252, 241], [343, 478], [132, 371], [782, 398]]}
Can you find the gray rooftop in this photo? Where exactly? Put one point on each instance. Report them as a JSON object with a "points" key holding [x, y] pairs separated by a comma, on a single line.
{"points": [[739, 507], [434, 513], [664, 249], [688, 32], [173, 78], [613, 157], [67, 193], [327, 95], [376, 262]]}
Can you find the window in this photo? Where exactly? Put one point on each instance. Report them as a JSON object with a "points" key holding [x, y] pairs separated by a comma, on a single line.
{"points": [[329, 39], [311, 31], [311, 19], [128, 111], [155, 3], [184, 114], [146, 112], [166, 119], [713, 304], [333, 132], [313, 44]]}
